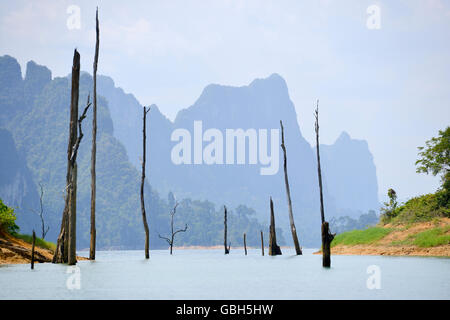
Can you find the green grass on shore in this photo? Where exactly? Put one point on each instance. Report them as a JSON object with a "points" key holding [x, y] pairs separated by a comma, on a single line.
{"points": [[429, 238], [39, 242], [366, 236]]}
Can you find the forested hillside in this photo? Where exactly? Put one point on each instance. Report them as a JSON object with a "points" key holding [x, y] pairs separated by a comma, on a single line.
{"points": [[35, 111]]}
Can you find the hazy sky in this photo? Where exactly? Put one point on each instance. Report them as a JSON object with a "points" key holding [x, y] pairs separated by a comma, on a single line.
{"points": [[389, 86]]}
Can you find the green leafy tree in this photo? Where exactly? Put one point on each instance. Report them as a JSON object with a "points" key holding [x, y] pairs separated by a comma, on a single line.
{"points": [[435, 159], [388, 211], [7, 218]]}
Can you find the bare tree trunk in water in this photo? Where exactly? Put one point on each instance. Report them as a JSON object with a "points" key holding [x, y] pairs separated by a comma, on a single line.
{"points": [[94, 145], [72, 255], [61, 252], [32, 249], [144, 217], [327, 236], [262, 243], [274, 249], [245, 243], [171, 240], [225, 244], [298, 249]]}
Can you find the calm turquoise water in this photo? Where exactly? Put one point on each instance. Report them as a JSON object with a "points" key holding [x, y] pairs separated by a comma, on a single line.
{"points": [[209, 274]]}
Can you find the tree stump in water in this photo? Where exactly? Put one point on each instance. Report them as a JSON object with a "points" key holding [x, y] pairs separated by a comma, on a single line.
{"points": [[327, 237], [262, 243], [32, 250], [274, 249], [245, 243]]}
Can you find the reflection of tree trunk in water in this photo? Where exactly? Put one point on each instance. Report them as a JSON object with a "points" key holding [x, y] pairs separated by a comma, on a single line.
{"points": [[298, 249], [327, 236], [225, 243], [274, 249]]}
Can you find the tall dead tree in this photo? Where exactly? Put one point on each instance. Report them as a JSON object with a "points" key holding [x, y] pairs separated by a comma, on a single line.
{"points": [[94, 143], [144, 217], [274, 249], [170, 240], [327, 236], [225, 242], [62, 245], [298, 249]]}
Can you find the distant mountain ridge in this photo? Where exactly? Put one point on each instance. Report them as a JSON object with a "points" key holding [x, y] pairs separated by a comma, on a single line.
{"points": [[348, 169], [34, 121]]}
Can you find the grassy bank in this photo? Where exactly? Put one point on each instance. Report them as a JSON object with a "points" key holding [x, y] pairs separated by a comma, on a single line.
{"points": [[420, 226], [41, 243]]}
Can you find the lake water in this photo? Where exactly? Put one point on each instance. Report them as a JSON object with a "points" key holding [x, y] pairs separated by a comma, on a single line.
{"points": [[209, 274]]}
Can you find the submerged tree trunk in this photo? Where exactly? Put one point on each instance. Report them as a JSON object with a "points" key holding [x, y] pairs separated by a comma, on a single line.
{"points": [[144, 217], [327, 236], [274, 249], [171, 240], [32, 249], [72, 256], [225, 242], [94, 145], [298, 249], [262, 243], [61, 252], [245, 243]]}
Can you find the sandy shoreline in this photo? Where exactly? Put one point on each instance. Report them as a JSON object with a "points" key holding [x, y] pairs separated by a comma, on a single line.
{"points": [[17, 251]]}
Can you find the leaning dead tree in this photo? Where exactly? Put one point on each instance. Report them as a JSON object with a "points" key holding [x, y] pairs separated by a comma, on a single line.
{"points": [[173, 232], [327, 236], [298, 249], [94, 144], [144, 217], [225, 242], [274, 249], [66, 243]]}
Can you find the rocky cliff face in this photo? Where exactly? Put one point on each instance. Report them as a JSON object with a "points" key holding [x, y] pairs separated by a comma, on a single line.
{"points": [[350, 175], [17, 188], [348, 168]]}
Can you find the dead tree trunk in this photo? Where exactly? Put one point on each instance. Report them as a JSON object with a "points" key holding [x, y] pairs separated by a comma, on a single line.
{"points": [[171, 240], [44, 229], [327, 236], [144, 217], [298, 249], [32, 249], [274, 249], [262, 243], [225, 242], [72, 256], [94, 145], [61, 252], [245, 243]]}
